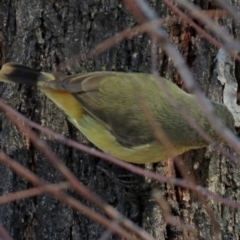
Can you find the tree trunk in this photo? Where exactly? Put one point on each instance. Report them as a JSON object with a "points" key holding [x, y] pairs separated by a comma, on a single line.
{"points": [[43, 34]]}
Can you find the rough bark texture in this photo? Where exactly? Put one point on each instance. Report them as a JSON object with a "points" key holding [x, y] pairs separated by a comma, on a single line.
{"points": [[42, 34]]}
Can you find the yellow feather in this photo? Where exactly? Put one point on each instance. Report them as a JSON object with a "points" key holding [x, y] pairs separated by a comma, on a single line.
{"points": [[65, 101]]}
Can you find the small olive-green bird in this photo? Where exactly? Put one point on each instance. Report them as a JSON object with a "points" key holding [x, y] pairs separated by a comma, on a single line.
{"points": [[106, 108]]}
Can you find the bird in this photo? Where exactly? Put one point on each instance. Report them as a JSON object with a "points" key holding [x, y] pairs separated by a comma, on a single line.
{"points": [[106, 108]]}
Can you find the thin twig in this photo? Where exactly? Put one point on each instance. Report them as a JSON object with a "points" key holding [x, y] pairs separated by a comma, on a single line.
{"points": [[199, 29], [130, 167], [75, 183], [196, 13], [32, 192], [232, 11], [186, 75], [110, 42], [30, 176], [169, 218], [4, 235]]}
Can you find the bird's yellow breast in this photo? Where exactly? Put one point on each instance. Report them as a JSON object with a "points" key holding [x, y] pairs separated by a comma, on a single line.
{"points": [[103, 139]]}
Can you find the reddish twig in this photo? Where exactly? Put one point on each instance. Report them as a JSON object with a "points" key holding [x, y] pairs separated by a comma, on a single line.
{"points": [[191, 85], [199, 29], [169, 218], [196, 13], [32, 192], [232, 11], [4, 235], [30, 176], [130, 167], [110, 42], [77, 185]]}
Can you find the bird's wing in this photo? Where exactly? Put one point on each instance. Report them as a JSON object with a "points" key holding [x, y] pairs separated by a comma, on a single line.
{"points": [[110, 98]]}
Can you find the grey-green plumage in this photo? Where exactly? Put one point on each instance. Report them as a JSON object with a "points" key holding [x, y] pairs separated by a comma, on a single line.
{"points": [[107, 108], [112, 104]]}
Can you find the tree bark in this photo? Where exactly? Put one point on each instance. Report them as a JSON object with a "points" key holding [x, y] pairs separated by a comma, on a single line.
{"points": [[43, 34]]}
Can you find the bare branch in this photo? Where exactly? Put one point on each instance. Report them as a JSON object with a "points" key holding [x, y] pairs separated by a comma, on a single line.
{"points": [[25, 173], [191, 85], [4, 235], [77, 185], [130, 167], [32, 192]]}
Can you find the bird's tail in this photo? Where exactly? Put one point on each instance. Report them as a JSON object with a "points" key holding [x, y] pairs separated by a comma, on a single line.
{"points": [[17, 73]]}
